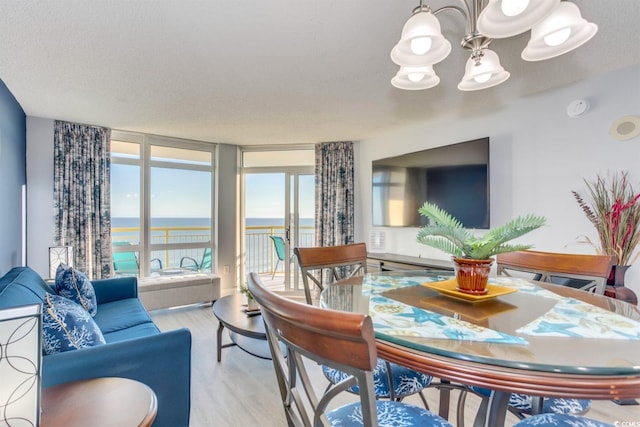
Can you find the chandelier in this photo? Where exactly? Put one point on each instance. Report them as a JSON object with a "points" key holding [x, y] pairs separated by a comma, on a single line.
{"points": [[557, 27]]}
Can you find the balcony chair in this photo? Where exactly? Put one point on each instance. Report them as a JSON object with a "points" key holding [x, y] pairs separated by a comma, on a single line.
{"points": [[192, 264], [340, 262], [586, 272], [278, 244], [345, 342], [127, 264]]}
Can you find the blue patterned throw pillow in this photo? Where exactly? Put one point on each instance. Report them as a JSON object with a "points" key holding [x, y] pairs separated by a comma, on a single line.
{"points": [[67, 326], [74, 285]]}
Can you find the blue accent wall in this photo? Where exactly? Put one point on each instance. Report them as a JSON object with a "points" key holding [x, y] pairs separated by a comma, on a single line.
{"points": [[13, 175]]}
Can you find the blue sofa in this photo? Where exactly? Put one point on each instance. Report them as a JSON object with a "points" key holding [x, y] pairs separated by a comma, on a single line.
{"points": [[135, 348]]}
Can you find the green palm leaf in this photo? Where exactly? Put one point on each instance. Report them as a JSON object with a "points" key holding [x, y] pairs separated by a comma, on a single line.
{"points": [[447, 234], [439, 216], [441, 243]]}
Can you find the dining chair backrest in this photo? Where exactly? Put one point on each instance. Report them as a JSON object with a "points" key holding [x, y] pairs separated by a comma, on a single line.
{"points": [[330, 262], [342, 340], [587, 272]]}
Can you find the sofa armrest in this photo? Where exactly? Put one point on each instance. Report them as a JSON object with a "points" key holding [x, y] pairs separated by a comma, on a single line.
{"points": [[162, 361], [115, 289]]}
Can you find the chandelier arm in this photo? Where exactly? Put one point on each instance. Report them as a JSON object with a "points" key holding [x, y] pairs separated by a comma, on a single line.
{"points": [[470, 13], [465, 14], [473, 39]]}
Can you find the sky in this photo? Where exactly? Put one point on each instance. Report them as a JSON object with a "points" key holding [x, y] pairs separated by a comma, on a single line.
{"points": [[177, 194], [265, 195], [186, 194]]}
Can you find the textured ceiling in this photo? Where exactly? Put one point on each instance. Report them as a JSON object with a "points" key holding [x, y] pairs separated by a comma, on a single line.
{"points": [[268, 72]]}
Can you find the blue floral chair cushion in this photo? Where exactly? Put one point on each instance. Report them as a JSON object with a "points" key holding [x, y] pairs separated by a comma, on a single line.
{"points": [[390, 414], [67, 326], [405, 381], [522, 403], [74, 285], [560, 420]]}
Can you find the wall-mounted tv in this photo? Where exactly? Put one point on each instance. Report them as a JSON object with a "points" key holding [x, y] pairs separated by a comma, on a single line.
{"points": [[455, 177]]}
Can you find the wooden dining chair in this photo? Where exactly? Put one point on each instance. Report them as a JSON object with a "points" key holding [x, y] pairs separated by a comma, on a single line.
{"points": [[321, 266], [560, 420], [587, 272], [523, 405], [342, 340], [330, 262]]}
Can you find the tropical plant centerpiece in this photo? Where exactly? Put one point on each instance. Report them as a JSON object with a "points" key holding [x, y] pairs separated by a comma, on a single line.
{"points": [[472, 255], [614, 211]]}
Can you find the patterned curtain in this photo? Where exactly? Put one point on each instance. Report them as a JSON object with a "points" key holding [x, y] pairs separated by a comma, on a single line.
{"points": [[334, 194], [82, 195]]}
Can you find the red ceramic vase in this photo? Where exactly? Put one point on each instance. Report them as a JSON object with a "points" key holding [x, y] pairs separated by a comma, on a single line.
{"points": [[472, 275], [615, 285]]}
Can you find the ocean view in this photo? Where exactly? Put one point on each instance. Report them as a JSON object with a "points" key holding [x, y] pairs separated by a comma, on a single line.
{"points": [[126, 222], [259, 255]]}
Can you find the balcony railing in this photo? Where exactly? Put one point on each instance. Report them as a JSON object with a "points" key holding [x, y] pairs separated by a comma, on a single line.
{"points": [[260, 253]]}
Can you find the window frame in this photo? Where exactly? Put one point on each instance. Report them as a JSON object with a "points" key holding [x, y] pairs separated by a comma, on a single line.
{"points": [[146, 248]]}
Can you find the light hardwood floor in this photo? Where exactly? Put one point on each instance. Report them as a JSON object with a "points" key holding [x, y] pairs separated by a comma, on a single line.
{"points": [[242, 389]]}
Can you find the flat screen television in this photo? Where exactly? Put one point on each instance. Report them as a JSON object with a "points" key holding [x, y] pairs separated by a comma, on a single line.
{"points": [[455, 177]]}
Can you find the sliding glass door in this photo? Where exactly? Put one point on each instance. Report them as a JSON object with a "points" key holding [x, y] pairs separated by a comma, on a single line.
{"points": [[301, 222], [278, 206]]}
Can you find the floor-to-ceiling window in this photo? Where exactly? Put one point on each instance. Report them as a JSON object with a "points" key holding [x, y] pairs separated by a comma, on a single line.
{"points": [[162, 210], [278, 206]]}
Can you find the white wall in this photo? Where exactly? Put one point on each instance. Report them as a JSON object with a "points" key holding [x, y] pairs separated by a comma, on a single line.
{"points": [[39, 193], [227, 217], [538, 155]]}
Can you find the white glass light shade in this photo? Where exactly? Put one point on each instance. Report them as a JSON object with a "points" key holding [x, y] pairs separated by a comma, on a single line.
{"points": [[421, 32], [20, 365], [494, 23], [513, 7], [484, 75], [415, 78], [565, 20], [59, 255]]}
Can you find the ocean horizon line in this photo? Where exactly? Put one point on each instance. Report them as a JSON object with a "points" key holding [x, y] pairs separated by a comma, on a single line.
{"points": [[128, 222]]}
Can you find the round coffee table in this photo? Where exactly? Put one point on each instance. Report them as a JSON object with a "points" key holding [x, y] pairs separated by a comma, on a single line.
{"points": [[246, 331]]}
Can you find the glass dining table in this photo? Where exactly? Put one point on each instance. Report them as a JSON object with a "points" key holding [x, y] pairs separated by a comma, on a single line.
{"points": [[521, 337]]}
